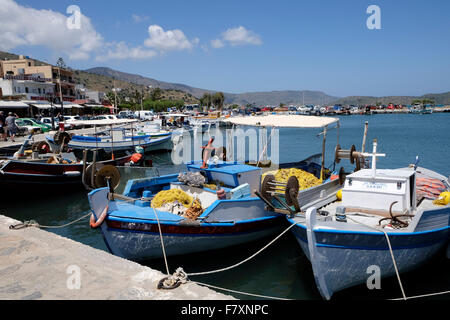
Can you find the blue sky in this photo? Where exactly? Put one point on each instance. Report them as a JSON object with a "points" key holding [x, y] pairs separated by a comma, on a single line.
{"points": [[288, 45]]}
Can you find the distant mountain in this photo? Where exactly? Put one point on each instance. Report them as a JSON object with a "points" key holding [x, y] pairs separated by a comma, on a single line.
{"points": [[438, 98], [258, 98], [287, 97], [143, 81]]}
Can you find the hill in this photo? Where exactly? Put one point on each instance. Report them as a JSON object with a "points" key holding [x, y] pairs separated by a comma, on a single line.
{"points": [[146, 82], [258, 98], [438, 98]]}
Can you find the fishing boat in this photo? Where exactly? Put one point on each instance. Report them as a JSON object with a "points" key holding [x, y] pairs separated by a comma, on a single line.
{"points": [[421, 109], [40, 171], [392, 220], [135, 230], [118, 139], [276, 193]]}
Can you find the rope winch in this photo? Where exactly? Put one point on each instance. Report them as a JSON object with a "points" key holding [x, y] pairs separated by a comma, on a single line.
{"points": [[98, 175], [353, 155], [273, 189]]}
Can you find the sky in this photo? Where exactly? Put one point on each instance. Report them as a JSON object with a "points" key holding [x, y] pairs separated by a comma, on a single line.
{"points": [[244, 46]]}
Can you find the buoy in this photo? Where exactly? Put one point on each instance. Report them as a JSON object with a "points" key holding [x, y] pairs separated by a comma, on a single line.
{"points": [[339, 195], [221, 194], [443, 200], [136, 158]]}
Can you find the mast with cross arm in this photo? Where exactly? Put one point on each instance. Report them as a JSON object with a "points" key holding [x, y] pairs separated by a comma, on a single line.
{"points": [[374, 156]]}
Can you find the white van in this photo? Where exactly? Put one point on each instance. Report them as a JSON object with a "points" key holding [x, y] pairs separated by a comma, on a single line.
{"points": [[144, 115]]}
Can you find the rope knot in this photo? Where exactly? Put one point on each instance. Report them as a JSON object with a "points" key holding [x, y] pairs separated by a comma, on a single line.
{"points": [[24, 225], [174, 281]]}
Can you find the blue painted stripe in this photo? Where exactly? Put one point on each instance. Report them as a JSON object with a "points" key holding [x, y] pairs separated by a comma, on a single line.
{"points": [[176, 223], [371, 233], [380, 248]]}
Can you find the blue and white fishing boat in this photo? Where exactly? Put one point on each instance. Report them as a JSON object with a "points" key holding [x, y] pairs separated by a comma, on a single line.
{"points": [[134, 230], [118, 139], [388, 220]]}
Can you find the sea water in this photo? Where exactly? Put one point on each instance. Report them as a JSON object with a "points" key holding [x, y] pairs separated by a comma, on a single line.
{"points": [[282, 270]]}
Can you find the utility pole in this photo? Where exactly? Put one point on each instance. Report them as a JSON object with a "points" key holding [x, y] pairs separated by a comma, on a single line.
{"points": [[60, 91], [115, 96], [142, 99]]}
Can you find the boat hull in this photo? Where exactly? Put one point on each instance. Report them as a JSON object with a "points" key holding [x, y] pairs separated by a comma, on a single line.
{"points": [[141, 245], [139, 239], [342, 259], [149, 145], [40, 178]]}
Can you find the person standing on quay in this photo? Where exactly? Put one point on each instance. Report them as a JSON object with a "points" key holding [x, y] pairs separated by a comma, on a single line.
{"points": [[11, 123]]}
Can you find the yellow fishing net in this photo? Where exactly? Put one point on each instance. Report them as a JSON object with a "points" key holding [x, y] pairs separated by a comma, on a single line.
{"points": [[306, 180], [172, 195]]}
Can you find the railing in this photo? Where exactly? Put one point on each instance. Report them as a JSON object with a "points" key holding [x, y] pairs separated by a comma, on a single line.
{"points": [[27, 78]]}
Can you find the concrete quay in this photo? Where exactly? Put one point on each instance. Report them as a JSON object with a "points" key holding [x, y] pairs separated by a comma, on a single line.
{"points": [[38, 265]]}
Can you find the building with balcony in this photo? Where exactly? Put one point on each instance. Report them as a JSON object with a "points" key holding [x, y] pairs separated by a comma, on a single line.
{"points": [[27, 87], [62, 79]]}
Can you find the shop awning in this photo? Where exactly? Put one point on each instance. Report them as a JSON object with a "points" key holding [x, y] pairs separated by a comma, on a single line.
{"points": [[13, 105]]}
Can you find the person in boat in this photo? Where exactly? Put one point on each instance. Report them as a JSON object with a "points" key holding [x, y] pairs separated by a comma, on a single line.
{"points": [[11, 123]]}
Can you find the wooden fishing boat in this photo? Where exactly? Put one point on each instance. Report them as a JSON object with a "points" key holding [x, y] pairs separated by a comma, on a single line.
{"points": [[40, 171], [388, 220], [48, 173], [131, 227]]}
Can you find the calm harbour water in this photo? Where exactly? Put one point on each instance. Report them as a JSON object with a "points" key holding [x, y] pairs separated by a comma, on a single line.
{"points": [[282, 270]]}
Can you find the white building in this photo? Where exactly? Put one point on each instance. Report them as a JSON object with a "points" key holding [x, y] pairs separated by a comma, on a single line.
{"points": [[96, 96], [31, 87]]}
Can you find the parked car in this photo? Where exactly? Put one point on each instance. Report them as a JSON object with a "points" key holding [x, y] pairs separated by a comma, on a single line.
{"points": [[33, 125], [48, 121], [72, 120]]}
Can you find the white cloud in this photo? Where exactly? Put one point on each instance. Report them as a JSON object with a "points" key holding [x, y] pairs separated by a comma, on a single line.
{"points": [[217, 43], [171, 40], [238, 36], [138, 19], [122, 51], [24, 26]]}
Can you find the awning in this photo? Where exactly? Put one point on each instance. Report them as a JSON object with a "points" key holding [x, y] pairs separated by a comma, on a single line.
{"points": [[13, 105], [47, 106], [90, 105], [284, 121]]}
